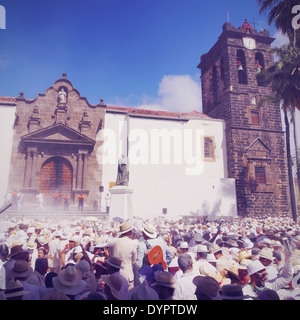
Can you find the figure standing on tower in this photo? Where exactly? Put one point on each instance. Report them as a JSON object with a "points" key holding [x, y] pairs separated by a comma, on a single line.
{"points": [[246, 27]]}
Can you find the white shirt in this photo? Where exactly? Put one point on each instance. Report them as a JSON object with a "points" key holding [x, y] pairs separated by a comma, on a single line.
{"points": [[185, 289], [54, 260]]}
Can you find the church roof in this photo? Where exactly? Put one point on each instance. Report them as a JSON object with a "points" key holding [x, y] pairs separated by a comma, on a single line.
{"points": [[158, 114], [8, 100], [145, 113]]}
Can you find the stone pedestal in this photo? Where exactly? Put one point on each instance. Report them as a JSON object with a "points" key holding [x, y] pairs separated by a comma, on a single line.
{"points": [[120, 203]]}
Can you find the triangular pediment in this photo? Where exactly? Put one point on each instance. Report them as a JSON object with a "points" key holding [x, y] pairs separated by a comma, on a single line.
{"points": [[258, 145], [258, 150], [58, 134]]}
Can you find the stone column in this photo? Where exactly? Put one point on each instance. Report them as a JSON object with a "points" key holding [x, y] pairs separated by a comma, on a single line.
{"points": [[84, 159], [79, 171], [28, 166], [34, 170]]}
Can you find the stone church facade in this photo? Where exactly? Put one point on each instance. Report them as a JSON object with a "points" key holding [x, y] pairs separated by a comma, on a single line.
{"points": [[56, 138], [54, 145]]}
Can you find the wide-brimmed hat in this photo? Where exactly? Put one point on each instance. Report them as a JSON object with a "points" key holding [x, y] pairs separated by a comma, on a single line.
{"points": [[266, 254], [21, 269], [69, 281], [248, 244], [233, 271], [115, 282], [43, 240], [142, 292], [16, 249], [184, 245], [243, 255], [254, 267], [207, 286], [202, 248], [150, 231], [165, 279], [232, 292], [215, 248], [296, 281], [125, 227], [15, 289], [231, 243], [115, 262]]}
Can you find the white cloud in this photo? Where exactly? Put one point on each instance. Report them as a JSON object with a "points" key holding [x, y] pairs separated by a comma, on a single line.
{"points": [[176, 93], [280, 39], [180, 93]]}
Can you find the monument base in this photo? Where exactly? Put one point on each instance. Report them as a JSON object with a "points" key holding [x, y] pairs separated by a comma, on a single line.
{"points": [[120, 203]]}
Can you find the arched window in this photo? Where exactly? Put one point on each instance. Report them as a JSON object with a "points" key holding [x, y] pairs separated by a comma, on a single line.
{"points": [[259, 65], [222, 69], [215, 83], [241, 67], [209, 149]]}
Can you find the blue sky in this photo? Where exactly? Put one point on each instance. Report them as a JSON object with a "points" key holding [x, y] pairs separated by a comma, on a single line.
{"points": [[124, 51]]}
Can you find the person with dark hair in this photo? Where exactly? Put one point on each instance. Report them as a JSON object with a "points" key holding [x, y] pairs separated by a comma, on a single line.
{"points": [[48, 279], [38, 276]]}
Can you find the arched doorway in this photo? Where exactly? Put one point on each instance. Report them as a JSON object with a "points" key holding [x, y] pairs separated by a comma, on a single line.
{"points": [[56, 176]]}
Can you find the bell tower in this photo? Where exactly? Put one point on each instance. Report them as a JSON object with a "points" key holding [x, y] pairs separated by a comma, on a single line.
{"points": [[254, 136]]}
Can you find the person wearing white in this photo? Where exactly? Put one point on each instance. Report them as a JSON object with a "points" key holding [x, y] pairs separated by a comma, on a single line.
{"points": [[185, 288]]}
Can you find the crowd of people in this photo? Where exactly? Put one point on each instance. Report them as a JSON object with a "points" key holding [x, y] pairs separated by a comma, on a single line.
{"points": [[253, 258]]}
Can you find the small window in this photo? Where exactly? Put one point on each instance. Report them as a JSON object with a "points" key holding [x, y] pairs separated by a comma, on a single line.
{"points": [[254, 117], [260, 175], [208, 148]]}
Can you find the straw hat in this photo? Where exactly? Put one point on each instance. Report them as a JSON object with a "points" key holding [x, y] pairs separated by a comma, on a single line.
{"points": [[266, 254], [243, 255], [125, 227], [215, 248], [150, 231]]}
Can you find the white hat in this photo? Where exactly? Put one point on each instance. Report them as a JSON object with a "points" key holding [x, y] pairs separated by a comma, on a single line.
{"points": [[184, 245], [150, 231], [296, 281], [77, 249], [266, 254], [201, 248], [248, 244], [254, 267]]}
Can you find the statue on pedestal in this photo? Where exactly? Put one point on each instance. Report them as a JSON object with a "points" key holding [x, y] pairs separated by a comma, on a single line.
{"points": [[123, 173]]}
